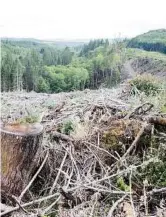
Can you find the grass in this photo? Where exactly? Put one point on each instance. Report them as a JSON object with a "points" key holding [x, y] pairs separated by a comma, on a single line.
{"points": [[67, 127], [148, 84], [135, 53], [29, 119], [140, 96]]}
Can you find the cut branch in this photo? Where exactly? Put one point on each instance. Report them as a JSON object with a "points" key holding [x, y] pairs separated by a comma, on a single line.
{"points": [[57, 177], [9, 210], [157, 120], [155, 191], [110, 213], [140, 133], [56, 134], [34, 177]]}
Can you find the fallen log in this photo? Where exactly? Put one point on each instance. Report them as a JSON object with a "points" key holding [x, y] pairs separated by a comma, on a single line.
{"points": [[157, 120], [20, 148], [62, 136]]}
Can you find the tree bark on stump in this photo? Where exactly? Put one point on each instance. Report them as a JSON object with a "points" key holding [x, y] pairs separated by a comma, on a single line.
{"points": [[20, 148]]}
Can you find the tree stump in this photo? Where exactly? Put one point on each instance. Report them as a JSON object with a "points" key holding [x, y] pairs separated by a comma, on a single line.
{"points": [[20, 148]]}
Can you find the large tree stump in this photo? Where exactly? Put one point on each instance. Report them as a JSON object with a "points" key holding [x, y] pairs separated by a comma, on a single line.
{"points": [[20, 147]]}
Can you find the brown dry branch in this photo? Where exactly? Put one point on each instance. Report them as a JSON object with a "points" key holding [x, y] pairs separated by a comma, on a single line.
{"points": [[58, 174], [62, 136], [111, 211], [101, 149], [156, 191], [33, 179], [9, 209], [18, 202], [157, 120], [140, 133], [46, 210], [131, 196], [140, 110]]}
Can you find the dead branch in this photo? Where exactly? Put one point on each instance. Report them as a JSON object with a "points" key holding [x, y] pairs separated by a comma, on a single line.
{"points": [[4, 207], [73, 160], [111, 211], [70, 197], [140, 133], [140, 110], [131, 198], [58, 108], [58, 135], [18, 202], [118, 192], [116, 174], [155, 191], [9, 210], [34, 177], [59, 171], [50, 207], [101, 149], [157, 120]]}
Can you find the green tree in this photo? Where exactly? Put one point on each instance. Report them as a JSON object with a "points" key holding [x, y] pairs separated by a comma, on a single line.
{"points": [[42, 85], [66, 56]]}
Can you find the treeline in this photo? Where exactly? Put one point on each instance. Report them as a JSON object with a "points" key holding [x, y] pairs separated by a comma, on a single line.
{"points": [[45, 68], [151, 41], [92, 45], [22, 65]]}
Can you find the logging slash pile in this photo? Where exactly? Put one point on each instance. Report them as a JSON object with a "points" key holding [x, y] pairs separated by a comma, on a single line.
{"points": [[103, 153]]}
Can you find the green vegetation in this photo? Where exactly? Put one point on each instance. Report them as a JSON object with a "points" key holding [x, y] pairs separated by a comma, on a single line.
{"points": [[22, 65], [155, 172], [33, 65], [29, 119], [122, 185], [146, 83], [151, 41], [67, 127], [138, 53], [62, 78]]}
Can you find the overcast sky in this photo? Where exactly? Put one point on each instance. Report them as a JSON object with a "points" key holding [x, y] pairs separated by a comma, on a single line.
{"points": [[80, 19]]}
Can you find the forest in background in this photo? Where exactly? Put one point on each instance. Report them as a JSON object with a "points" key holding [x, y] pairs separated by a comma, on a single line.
{"points": [[33, 65], [45, 68], [154, 40]]}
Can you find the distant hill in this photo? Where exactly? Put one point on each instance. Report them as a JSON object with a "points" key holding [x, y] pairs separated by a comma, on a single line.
{"points": [[61, 43], [154, 40], [30, 42]]}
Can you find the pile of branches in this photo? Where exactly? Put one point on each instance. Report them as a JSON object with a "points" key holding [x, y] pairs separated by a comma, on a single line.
{"points": [[101, 171]]}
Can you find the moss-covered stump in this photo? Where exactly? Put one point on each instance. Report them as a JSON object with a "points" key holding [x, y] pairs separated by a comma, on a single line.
{"points": [[119, 136], [120, 133], [20, 147]]}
